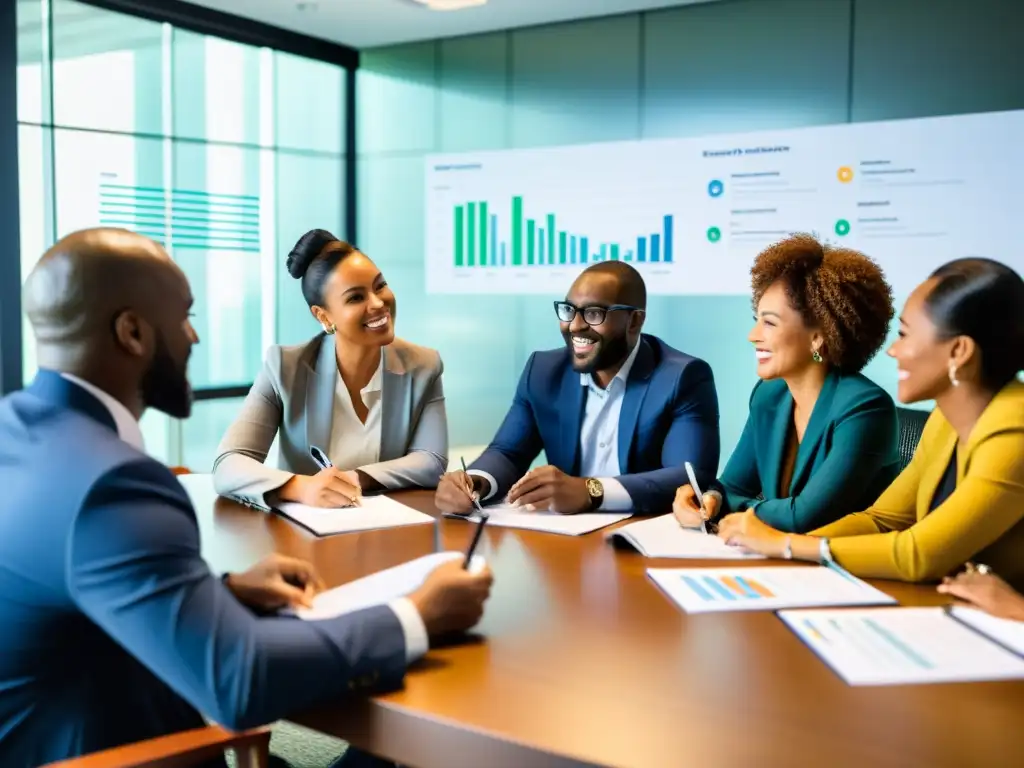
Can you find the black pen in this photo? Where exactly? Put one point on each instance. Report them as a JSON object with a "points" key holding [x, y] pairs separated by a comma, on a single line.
{"points": [[476, 540], [320, 457]]}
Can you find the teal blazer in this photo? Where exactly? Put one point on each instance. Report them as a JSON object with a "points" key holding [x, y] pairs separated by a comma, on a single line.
{"points": [[848, 456]]}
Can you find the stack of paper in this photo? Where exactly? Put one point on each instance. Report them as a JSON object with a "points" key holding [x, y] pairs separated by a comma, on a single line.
{"points": [[664, 537], [707, 590], [372, 513], [507, 516], [900, 646], [378, 588]]}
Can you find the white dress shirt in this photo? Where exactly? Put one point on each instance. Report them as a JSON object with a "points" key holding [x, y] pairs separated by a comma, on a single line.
{"points": [[355, 443], [599, 437], [416, 640]]}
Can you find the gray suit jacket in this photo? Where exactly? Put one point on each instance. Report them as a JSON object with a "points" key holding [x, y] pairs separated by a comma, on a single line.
{"points": [[293, 396]]}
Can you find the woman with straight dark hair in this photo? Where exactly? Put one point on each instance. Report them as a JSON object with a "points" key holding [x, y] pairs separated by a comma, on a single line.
{"points": [[961, 498], [354, 409]]}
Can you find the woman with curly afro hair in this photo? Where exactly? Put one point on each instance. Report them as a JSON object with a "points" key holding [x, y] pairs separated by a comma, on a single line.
{"points": [[960, 501], [820, 439]]}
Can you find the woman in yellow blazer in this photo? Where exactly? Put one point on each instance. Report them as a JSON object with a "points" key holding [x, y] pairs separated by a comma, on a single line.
{"points": [[961, 498]]}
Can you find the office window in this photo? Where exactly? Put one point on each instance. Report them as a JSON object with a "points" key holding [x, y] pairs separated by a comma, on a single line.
{"points": [[225, 153]]}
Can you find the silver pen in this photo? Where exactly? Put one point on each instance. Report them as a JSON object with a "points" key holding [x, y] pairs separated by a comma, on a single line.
{"points": [[700, 495]]}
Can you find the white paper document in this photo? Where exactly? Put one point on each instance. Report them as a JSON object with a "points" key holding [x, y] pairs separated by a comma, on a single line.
{"points": [[664, 537], [378, 588], [902, 646], [372, 513], [710, 590], [507, 516], [1005, 631]]}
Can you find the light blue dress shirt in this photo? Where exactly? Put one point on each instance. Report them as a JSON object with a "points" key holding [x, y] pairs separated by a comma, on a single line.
{"points": [[599, 437]]}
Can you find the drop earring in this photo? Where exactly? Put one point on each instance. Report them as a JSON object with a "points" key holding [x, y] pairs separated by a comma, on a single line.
{"points": [[815, 356], [329, 329], [952, 375]]}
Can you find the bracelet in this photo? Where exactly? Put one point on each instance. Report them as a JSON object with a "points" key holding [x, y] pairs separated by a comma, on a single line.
{"points": [[824, 553], [787, 550]]}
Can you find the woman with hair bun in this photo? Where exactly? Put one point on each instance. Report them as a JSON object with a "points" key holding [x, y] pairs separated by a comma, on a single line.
{"points": [[355, 409], [820, 439], [960, 501]]}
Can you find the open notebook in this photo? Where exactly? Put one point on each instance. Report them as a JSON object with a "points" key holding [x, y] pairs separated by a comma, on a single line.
{"points": [[664, 537], [905, 646], [378, 588], [507, 516]]}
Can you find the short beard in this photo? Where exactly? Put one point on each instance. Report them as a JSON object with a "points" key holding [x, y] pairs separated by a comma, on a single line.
{"points": [[165, 384]]}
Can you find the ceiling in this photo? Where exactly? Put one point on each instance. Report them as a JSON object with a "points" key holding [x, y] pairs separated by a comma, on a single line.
{"points": [[370, 23]]}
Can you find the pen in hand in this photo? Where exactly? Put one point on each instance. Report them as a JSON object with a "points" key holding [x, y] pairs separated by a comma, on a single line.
{"points": [[469, 486], [700, 496], [320, 458]]}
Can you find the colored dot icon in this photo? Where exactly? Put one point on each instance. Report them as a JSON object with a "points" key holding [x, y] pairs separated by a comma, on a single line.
{"points": [[842, 227], [714, 234], [716, 188], [845, 174]]}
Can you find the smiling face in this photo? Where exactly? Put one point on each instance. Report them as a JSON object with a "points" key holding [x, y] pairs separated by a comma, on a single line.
{"points": [[358, 302], [783, 344], [922, 356], [605, 345]]}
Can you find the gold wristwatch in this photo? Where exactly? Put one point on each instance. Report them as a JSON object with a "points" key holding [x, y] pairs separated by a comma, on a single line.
{"points": [[596, 491]]}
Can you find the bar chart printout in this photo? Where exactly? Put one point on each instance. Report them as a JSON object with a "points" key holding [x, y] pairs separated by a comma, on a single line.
{"points": [[710, 590], [902, 646], [481, 237]]}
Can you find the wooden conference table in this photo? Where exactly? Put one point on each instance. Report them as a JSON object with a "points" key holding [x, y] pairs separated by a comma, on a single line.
{"points": [[586, 662]]}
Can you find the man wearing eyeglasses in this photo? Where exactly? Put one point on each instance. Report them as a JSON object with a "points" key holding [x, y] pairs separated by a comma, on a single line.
{"points": [[616, 411]]}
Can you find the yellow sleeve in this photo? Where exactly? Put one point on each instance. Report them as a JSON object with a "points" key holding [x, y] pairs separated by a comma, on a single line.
{"points": [[986, 504], [894, 510]]}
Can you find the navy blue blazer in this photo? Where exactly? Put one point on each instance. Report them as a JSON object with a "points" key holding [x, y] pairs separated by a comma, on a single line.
{"points": [[669, 416], [114, 630]]}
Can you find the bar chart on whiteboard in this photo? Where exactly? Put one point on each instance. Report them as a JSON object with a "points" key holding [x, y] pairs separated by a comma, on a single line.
{"points": [[496, 225]]}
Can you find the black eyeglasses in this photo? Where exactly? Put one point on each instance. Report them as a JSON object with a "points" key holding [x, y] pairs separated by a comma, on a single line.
{"points": [[592, 315]]}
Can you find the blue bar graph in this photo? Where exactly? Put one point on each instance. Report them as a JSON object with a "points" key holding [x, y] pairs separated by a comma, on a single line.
{"points": [[627, 256], [604, 252], [668, 238], [584, 250], [655, 247], [503, 254], [540, 249], [572, 249], [641, 249]]}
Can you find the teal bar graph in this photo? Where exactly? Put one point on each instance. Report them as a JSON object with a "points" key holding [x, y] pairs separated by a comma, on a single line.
{"points": [[471, 236], [475, 241]]}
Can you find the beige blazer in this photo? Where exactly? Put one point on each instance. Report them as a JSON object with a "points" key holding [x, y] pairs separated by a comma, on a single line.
{"points": [[293, 399]]}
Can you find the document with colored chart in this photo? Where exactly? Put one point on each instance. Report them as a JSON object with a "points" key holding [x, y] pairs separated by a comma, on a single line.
{"points": [[903, 646], [711, 590], [664, 537]]}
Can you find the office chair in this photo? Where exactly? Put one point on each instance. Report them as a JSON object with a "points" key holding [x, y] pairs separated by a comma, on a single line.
{"points": [[912, 423]]}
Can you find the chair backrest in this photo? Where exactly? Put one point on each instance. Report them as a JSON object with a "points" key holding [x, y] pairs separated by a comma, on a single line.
{"points": [[912, 423], [182, 750]]}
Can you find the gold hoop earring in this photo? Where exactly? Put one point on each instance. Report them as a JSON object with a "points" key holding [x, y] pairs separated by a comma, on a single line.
{"points": [[952, 375], [329, 329], [815, 356]]}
